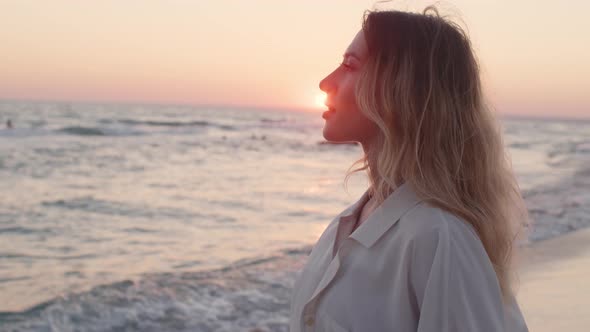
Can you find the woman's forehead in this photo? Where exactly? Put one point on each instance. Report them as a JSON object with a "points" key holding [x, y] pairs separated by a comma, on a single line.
{"points": [[358, 46]]}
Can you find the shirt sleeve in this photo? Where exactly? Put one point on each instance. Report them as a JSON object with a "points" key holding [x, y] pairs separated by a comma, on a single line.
{"points": [[453, 281]]}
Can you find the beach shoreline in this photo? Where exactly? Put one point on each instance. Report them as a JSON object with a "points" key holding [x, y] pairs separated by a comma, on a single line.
{"points": [[553, 287]]}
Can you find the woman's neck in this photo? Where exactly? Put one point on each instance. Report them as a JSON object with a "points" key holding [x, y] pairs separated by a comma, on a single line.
{"points": [[375, 177]]}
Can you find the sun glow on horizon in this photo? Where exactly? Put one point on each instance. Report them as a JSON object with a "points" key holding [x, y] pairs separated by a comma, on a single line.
{"points": [[320, 100]]}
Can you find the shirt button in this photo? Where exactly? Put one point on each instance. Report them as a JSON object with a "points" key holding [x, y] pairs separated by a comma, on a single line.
{"points": [[309, 321]]}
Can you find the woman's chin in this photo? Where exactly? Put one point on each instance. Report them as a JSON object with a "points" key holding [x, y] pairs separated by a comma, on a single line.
{"points": [[328, 135], [335, 137]]}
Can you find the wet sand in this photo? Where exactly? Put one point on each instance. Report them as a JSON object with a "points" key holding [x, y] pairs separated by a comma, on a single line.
{"points": [[554, 287]]}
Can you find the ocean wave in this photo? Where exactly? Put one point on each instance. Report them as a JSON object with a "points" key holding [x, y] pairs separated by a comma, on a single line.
{"points": [[48, 257], [23, 132], [105, 207], [82, 131], [571, 153], [95, 131], [70, 130], [163, 123], [160, 123], [273, 121], [4, 280], [520, 145], [559, 208], [247, 296], [25, 230]]}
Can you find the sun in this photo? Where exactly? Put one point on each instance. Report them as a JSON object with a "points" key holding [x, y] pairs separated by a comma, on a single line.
{"points": [[320, 99]]}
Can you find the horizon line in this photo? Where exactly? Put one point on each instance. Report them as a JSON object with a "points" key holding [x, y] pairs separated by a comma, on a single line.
{"points": [[501, 115]]}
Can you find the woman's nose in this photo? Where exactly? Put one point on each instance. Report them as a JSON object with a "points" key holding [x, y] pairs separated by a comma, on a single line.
{"points": [[327, 84]]}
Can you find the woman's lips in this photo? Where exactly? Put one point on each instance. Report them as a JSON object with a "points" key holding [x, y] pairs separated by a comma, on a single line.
{"points": [[328, 113]]}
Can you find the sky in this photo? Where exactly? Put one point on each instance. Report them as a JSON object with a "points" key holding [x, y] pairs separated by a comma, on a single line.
{"points": [[535, 55]]}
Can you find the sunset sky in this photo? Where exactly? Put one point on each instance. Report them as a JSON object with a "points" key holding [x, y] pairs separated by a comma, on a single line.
{"points": [[272, 53]]}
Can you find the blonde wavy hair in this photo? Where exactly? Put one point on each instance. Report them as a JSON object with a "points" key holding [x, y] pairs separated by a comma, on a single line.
{"points": [[421, 87]]}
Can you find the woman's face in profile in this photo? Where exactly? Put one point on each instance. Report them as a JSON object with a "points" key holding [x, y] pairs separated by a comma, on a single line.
{"points": [[344, 121]]}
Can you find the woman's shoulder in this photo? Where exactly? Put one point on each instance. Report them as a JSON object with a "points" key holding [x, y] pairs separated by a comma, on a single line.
{"points": [[430, 234], [425, 219]]}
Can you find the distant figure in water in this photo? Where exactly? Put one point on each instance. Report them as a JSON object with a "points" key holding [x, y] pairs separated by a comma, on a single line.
{"points": [[9, 124], [428, 246]]}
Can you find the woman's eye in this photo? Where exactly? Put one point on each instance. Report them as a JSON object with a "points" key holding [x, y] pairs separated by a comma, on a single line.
{"points": [[346, 66]]}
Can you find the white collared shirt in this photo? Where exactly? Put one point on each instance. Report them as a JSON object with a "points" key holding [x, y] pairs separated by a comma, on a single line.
{"points": [[408, 267]]}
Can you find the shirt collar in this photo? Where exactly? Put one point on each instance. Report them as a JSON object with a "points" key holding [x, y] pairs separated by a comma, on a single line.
{"points": [[352, 213], [385, 216]]}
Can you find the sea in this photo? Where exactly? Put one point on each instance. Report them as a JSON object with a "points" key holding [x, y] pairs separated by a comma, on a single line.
{"points": [[130, 217]]}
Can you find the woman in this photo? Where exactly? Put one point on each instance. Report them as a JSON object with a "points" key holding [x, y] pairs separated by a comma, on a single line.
{"points": [[428, 246]]}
